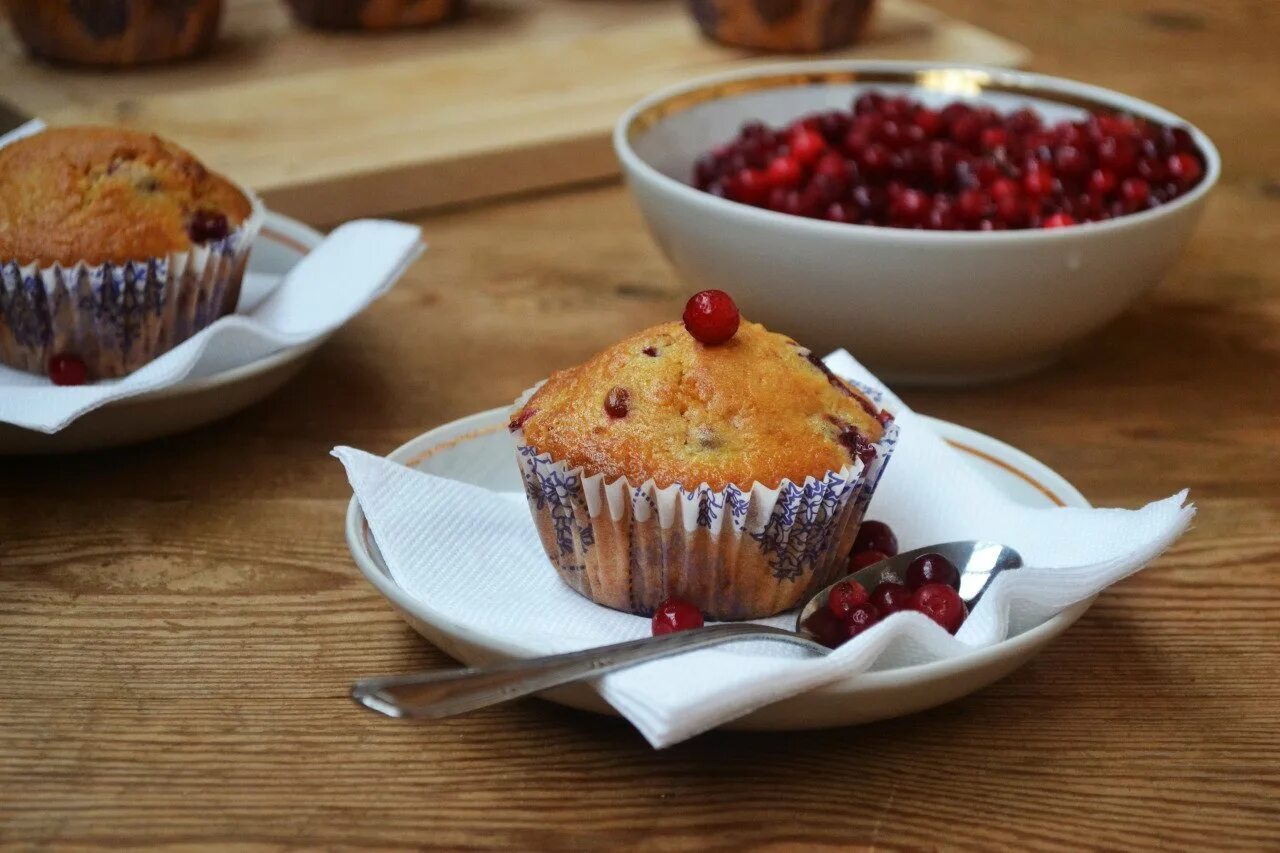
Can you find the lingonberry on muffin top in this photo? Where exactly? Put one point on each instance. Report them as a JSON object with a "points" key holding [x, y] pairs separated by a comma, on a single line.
{"points": [[662, 405], [102, 194]]}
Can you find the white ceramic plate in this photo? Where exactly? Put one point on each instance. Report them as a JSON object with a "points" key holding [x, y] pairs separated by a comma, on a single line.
{"points": [[476, 450], [209, 392]]}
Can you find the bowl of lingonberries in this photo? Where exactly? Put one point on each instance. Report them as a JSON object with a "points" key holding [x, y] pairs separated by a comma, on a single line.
{"points": [[946, 224]]}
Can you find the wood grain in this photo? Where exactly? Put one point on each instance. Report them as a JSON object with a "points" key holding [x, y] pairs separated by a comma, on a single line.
{"points": [[179, 621], [520, 95]]}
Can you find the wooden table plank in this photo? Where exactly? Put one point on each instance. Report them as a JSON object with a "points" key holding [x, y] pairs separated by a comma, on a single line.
{"points": [[179, 621]]}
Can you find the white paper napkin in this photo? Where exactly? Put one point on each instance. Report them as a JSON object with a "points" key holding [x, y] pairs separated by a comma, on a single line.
{"points": [[472, 557], [356, 263]]}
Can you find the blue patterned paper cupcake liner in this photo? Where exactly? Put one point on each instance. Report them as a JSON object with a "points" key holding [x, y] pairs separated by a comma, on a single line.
{"points": [[116, 317], [737, 553]]}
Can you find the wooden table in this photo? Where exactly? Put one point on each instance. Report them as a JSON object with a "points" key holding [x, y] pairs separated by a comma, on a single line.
{"points": [[179, 622]]}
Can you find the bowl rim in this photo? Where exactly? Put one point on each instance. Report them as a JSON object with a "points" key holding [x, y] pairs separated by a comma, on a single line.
{"points": [[795, 74]]}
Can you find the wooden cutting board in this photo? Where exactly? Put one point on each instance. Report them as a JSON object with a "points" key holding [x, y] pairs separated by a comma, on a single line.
{"points": [[519, 96]]}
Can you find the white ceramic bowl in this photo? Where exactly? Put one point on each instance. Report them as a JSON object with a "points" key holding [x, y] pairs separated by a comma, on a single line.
{"points": [[915, 306]]}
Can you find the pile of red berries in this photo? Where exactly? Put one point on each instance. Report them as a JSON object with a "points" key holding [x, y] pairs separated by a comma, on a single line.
{"points": [[931, 587], [893, 161]]}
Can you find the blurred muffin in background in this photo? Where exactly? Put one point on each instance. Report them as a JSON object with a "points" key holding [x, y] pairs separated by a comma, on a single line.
{"points": [[800, 26], [115, 32], [374, 14]]}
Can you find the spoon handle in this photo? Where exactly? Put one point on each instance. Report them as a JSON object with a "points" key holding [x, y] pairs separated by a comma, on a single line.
{"points": [[444, 692]]}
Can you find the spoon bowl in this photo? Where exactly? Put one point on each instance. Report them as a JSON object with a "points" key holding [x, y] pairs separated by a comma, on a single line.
{"points": [[977, 562]]}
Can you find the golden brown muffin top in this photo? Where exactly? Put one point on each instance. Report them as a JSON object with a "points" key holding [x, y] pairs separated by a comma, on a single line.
{"points": [[102, 194], [661, 405]]}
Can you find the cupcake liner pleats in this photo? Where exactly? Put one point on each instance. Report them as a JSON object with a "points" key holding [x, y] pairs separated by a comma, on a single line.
{"points": [[736, 553]]}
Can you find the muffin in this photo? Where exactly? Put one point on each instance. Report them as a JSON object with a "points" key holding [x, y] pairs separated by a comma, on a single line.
{"points": [[115, 32], [115, 246], [733, 476], [374, 14], [800, 26]]}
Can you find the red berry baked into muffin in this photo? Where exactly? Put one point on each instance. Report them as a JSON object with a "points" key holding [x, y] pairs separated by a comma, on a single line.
{"points": [[731, 474], [115, 246]]}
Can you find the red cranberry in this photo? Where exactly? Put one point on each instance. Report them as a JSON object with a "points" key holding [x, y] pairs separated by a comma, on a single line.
{"points": [[929, 121], [890, 597], [783, 172], [1101, 182], [972, 205], [876, 536], [1179, 139], [1038, 183], [909, 208], [940, 603], [868, 102], [617, 402], [806, 145], [1117, 154], [993, 138], [1184, 169], [67, 369], [675, 614], [833, 167], [1057, 220], [859, 560], [841, 211], [1010, 209], [1135, 192], [966, 130], [521, 418], [943, 159], [207, 225], [874, 160], [826, 627], [748, 186], [932, 568], [1023, 120], [1003, 188], [857, 444], [860, 619], [941, 217], [1150, 168], [845, 596], [1070, 162], [711, 317]]}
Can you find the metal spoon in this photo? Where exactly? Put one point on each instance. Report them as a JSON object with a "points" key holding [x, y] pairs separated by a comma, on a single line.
{"points": [[445, 692]]}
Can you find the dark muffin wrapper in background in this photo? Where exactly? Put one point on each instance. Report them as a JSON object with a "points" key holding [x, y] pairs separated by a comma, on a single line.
{"points": [[375, 14], [803, 26], [115, 32]]}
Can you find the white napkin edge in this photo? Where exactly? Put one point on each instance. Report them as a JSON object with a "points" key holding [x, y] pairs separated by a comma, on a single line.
{"points": [[29, 128]]}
